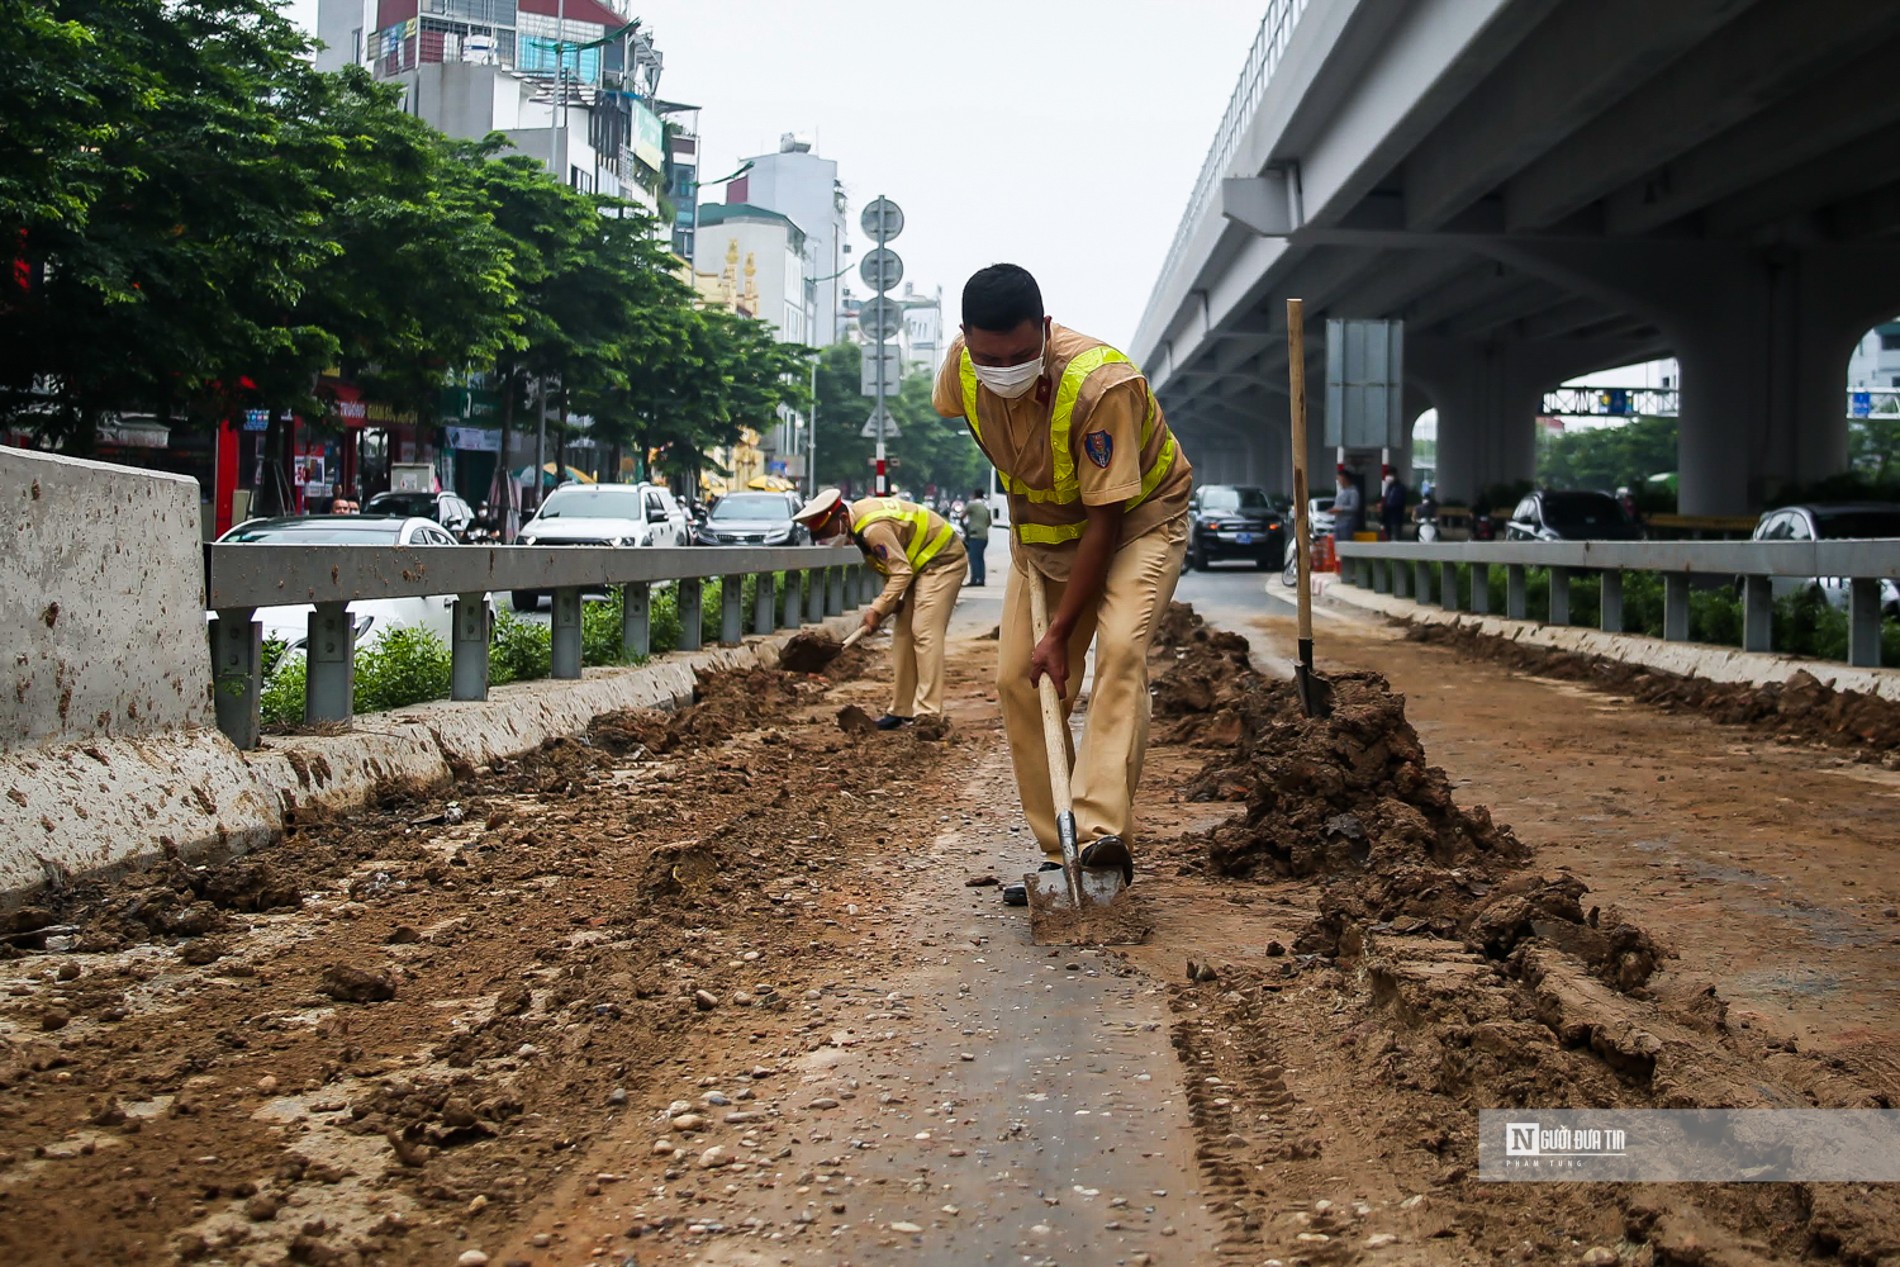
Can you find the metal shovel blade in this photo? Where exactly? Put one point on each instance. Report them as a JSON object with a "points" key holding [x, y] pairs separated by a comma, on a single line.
{"points": [[1055, 920], [1316, 693]]}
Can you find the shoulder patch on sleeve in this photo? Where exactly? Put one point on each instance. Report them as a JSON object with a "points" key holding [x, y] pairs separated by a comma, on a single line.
{"points": [[1100, 446], [883, 552]]}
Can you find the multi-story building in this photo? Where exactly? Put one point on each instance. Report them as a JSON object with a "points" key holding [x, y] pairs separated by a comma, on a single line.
{"points": [[754, 259], [797, 183], [682, 173], [920, 344], [570, 82], [1876, 358]]}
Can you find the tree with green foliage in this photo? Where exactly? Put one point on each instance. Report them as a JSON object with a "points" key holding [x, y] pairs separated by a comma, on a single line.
{"points": [[929, 449], [168, 261], [1609, 457]]}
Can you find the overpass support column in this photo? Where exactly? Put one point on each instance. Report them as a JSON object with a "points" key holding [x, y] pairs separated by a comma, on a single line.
{"points": [[1487, 398], [1763, 334]]}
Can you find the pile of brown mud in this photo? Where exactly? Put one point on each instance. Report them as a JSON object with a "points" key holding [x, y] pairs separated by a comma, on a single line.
{"points": [[1802, 709], [1351, 801], [724, 704], [1460, 977]]}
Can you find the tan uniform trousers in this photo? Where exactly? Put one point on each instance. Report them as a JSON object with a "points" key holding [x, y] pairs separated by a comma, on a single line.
{"points": [[1141, 580], [923, 627]]}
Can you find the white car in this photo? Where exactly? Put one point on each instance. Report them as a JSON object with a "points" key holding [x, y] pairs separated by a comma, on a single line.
{"points": [[374, 617], [1824, 522], [604, 515]]}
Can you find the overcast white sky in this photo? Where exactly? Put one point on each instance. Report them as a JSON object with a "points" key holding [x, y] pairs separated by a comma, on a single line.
{"points": [[1062, 135]]}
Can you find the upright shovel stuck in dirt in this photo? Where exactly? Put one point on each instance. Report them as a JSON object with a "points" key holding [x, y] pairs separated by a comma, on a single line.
{"points": [[1075, 890], [1316, 693]]}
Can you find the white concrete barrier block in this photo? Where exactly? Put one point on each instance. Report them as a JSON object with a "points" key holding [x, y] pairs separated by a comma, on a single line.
{"points": [[75, 809], [101, 601]]}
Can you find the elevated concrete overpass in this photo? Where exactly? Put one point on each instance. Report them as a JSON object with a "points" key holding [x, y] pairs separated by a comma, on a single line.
{"points": [[1540, 189]]}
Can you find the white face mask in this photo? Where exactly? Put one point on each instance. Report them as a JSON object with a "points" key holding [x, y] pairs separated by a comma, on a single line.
{"points": [[1011, 381]]}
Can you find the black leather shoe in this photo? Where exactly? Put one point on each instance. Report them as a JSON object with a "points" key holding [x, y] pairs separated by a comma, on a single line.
{"points": [[891, 721], [1109, 851], [1018, 894]]}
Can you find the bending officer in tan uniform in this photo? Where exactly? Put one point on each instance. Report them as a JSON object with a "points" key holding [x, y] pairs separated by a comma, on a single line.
{"points": [[1098, 493], [922, 562]]}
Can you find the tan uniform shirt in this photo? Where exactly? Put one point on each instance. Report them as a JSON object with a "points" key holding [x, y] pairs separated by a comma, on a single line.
{"points": [[886, 545], [1104, 432]]}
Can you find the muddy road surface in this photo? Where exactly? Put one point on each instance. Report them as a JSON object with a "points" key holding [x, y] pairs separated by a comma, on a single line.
{"points": [[737, 987]]}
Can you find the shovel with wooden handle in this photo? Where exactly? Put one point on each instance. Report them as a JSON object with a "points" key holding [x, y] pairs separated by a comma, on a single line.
{"points": [[1316, 693], [1075, 887]]}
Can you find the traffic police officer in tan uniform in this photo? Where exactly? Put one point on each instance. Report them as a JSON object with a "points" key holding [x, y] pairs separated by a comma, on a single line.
{"points": [[1098, 493], [922, 562]]}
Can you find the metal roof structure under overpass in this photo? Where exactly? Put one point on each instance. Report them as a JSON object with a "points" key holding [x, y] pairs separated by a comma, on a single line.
{"points": [[1540, 189]]}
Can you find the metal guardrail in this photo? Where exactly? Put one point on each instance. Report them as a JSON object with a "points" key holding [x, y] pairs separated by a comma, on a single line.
{"points": [[1382, 566], [1269, 46], [820, 581]]}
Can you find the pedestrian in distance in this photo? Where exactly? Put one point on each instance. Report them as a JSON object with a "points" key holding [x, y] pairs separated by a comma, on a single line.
{"points": [[1392, 505], [1346, 507], [1098, 493], [917, 552], [976, 534]]}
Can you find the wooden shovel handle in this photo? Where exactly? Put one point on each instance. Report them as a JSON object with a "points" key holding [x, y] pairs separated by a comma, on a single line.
{"points": [[1296, 382], [1052, 723]]}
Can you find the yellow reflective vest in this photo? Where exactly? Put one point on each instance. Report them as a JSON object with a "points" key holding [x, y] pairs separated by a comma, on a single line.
{"points": [[1067, 488], [924, 545]]}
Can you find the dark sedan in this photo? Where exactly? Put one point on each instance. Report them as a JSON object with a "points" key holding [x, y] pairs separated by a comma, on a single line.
{"points": [[1234, 521], [753, 519], [1571, 516]]}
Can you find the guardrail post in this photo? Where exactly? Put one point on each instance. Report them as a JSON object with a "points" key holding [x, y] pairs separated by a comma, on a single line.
{"points": [[834, 591], [1758, 614], [870, 584], [237, 667], [1448, 586], [764, 604], [731, 610], [687, 595], [1611, 607], [814, 596], [636, 620], [468, 648], [794, 606], [1381, 577], [1676, 606], [1560, 596], [1481, 589], [1401, 580], [566, 633], [1515, 603], [1863, 622], [329, 664], [1421, 581]]}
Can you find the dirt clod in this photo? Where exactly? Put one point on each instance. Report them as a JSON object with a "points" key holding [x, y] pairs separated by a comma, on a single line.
{"points": [[357, 985]]}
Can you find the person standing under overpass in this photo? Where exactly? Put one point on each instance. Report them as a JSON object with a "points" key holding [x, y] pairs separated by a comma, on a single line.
{"points": [[917, 552], [976, 534], [1098, 493]]}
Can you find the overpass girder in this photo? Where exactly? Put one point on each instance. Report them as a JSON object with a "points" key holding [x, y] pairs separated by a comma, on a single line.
{"points": [[1765, 53], [1781, 146], [1580, 60]]}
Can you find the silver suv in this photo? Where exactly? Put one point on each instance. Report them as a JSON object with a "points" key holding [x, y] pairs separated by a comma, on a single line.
{"points": [[625, 515]]}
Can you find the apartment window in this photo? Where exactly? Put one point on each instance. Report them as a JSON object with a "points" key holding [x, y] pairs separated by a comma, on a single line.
{"points": [[1890, 343]]}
